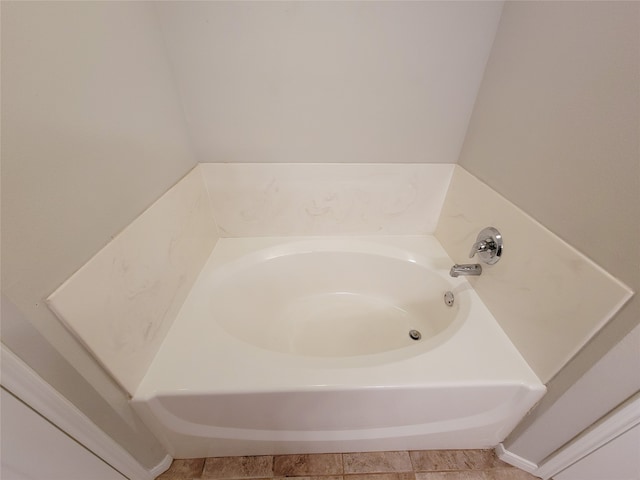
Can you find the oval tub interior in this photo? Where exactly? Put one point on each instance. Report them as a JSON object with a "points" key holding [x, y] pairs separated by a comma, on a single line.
{"points": [[330, 303]]}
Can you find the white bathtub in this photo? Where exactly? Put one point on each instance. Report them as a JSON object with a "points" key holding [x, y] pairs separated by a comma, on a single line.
{"points": [[294, 345]]}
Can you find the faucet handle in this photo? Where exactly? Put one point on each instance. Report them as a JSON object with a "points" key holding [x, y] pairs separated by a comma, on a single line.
{"points": [[488, 246]]}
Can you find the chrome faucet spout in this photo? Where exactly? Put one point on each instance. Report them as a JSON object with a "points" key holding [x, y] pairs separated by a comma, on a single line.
{"points": [[466, 269], [488, 246]]}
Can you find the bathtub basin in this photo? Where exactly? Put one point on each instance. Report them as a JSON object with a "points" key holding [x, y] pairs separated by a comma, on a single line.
{"points": [[298, 345], [311, 299]]}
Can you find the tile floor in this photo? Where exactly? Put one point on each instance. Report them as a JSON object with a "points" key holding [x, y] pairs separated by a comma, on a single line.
{"points": [[403, 465]]}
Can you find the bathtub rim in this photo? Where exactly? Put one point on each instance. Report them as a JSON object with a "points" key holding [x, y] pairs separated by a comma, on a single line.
{"points": [[163, 376]]}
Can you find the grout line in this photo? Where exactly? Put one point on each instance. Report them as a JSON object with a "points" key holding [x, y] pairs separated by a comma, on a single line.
{"points": [[413, 465], [202, 469]]}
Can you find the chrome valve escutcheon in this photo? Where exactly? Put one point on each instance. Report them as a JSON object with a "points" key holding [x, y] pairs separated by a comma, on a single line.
{"points": [[488, 246]]}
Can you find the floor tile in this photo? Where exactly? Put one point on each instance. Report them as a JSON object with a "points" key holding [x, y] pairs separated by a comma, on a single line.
{"points": [[311, 477], [238, 467], [452, 460], [400, 465], [511, 473], [382, 476], [376, 462], [184, 469], [468, 475], [306, 465], [497, 463]]}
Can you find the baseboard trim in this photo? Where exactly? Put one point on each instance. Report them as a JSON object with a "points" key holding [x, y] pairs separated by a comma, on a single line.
{"points": [[162, 467], [622, 419], [29, 387], [613, 425], [515, 460]]}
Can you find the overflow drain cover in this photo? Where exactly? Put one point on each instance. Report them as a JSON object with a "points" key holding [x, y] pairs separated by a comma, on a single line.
{"points": [[448, 299], [415, 334]]}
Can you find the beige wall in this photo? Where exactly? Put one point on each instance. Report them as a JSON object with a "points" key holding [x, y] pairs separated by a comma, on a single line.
{"points": [[555, 130], [92, 134], [323, 82]]}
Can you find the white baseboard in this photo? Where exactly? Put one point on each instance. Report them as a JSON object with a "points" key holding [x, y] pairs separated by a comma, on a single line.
{"points": [[515, 460], [162, 467], [27, 385], [613, 425]]}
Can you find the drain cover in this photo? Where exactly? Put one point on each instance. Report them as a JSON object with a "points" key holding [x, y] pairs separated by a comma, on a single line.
{"points": [[415, 334]]}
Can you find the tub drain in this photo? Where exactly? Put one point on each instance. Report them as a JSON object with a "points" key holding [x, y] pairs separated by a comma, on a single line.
{"points": [[415, 334]]}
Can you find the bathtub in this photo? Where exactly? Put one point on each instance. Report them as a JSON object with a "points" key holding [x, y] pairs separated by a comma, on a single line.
{"points": [[309, 345]]}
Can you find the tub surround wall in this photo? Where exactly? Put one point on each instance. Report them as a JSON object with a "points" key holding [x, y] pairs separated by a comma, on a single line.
{"points": [[123, 301], [326, 199], [132, 290], [548, 297]]}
